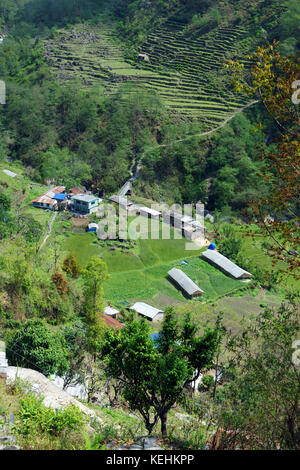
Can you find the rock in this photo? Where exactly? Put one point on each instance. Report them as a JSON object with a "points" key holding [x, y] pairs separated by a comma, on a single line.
{"points": [[110, 445], [120, 448], [135, 447], [10, 448], [150, 442], [210, 217], [8, 439], [147, 443], [153, 448]]}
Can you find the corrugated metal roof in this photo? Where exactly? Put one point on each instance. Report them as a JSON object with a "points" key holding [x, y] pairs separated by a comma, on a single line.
{"points": [[110, 311], [85, 198], [56, 190], [111, 322], [147, 210], [120, 200], [146, 310], [10, 173], [75, 191], [48, 197], [45, 200], [225, 264], [185, 282]]}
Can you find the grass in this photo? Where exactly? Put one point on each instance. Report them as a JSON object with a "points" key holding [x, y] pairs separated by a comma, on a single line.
{"points": [[141, 273]]}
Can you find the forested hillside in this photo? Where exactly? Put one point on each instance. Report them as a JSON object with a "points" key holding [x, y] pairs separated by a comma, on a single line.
{"points": [[183, 90], [184, 101]]}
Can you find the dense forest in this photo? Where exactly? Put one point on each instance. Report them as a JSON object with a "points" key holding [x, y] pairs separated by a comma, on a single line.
{"points": [[51, 128]]}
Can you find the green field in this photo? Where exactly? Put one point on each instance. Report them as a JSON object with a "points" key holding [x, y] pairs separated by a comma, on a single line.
{"points": [[141, 273]]}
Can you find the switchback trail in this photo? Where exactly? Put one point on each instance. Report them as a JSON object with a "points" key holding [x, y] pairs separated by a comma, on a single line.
{"points": [[134, 176]]}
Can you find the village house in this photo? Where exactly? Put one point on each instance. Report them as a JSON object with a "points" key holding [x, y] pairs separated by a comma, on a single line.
{"points": [[150, 213], [111, 312], [50, 199], [84, 204]]}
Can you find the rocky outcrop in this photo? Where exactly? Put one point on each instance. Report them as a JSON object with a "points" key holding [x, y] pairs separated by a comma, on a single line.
{"points": [[143, 443], [7, 439], [53, 396]]}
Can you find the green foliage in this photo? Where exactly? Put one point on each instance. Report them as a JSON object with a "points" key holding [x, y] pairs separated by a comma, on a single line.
{"points": [[229, 241], [260, 398], [34, 418], [95, 274], [71, 266], [154, 377], [36, 346]]}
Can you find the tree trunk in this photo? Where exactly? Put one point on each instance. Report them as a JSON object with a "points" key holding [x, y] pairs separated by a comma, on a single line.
{"points": [[163, 419]]}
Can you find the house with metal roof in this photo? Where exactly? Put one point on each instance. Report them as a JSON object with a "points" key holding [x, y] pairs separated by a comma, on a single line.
{"points": [[122, 201], [185, 283], [147, 311], [111, 312], [150, 213], [50, 199], [224, 264], [176, 219], [84, 203], [111, 322]]}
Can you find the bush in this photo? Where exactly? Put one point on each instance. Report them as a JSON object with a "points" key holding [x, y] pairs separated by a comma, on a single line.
{"points": [[34, 418]]}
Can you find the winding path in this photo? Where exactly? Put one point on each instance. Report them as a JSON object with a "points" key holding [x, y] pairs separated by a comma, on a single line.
{"points": [[49, 231], [134, 176]]}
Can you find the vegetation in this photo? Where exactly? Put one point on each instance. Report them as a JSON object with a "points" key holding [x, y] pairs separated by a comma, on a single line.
{"points": [[84, 109], [259, 399], [35, 346], [154, 377]]}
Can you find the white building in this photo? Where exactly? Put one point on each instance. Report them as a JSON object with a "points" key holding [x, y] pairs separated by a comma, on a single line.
{"points": [[145, 310]]}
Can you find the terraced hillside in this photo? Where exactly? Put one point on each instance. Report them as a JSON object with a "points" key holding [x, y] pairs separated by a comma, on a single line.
{"points": [[187, 73]]}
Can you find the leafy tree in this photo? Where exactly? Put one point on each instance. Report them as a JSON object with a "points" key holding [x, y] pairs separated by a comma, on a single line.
{"points": [[71, 266], [60, 283], [258, 407], [76, 342], [30, 228], [36, 346], [271, 79], [154, 377], [5, 202], [95, 274], [229, 241]]}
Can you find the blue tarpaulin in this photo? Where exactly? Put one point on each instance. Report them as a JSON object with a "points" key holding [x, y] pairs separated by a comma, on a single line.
{"points": [[60, 197], [155, 338]]}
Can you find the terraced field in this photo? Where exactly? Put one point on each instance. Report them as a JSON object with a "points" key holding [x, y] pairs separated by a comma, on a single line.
{"points": [[187, 73]]}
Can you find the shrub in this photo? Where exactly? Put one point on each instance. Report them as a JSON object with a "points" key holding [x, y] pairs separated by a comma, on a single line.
{"points": [[34, 418]]}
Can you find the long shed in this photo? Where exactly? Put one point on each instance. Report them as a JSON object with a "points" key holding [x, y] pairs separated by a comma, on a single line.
{"points": [[150, 213], [185, 283], [145, 310], [224, 264]]}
